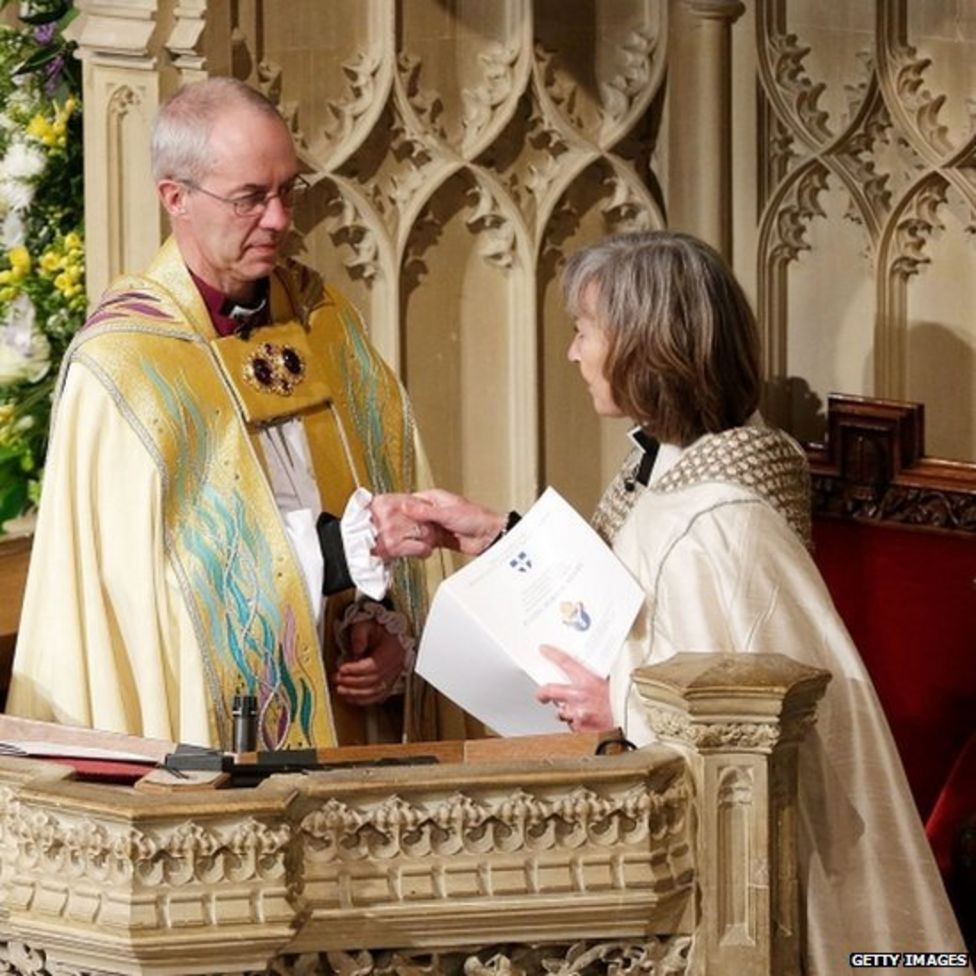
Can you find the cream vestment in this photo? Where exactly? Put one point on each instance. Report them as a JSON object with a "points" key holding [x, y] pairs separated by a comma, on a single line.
{"points": [[717, 542], [163, 578]]}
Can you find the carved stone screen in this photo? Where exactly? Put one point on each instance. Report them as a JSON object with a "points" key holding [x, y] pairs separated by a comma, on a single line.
{"points": [[864, 249], [460, 149]]}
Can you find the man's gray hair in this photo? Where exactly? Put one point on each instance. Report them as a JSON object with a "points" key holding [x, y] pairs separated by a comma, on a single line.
{"points": [[181, 133]]}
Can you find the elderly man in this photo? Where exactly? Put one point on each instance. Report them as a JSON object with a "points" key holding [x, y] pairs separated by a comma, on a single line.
{"points": [[219, 421]]}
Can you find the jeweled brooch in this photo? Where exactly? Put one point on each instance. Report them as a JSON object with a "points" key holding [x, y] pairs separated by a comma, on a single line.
{"points": [[274, 369]]}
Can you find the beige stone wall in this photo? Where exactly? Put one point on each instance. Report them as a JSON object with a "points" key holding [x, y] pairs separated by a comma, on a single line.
{"points": [[461, 149], [861, 239]]}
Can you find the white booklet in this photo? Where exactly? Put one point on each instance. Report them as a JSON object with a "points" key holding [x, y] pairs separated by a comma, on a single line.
{"points": [[550, 580]]}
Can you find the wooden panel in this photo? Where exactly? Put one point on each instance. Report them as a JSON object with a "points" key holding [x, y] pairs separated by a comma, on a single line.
{"points": [[14, 555], [895, 538]]}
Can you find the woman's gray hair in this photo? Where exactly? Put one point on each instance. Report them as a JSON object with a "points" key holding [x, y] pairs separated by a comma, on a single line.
{"points": [[683, 347], [181, 132]]}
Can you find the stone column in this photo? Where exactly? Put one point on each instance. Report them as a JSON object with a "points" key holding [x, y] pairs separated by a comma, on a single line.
{"points": [[700, 113], [126, 75], [740, 718]]}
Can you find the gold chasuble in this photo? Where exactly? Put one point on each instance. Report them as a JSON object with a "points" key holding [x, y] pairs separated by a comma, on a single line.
{"points": [[195, 403]]}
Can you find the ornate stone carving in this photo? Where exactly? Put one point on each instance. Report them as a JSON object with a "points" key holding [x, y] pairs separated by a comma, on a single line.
{"points": [[921, 106], [622, 90], [735, 858], [427, 105], [189, 853], [624, 86], [466, 825], [392, 167], [20, 959], [626, 209], [481, 102], [362, 73], [354, 236], [856, 154], [798, 93], [759, 736], [396, 870], [529, 157], [914, 226], [785, 223], [496, 233], [653, 957]]}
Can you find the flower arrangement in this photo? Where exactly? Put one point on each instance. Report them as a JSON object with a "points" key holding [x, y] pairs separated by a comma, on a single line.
{"points": [[42, 267]]}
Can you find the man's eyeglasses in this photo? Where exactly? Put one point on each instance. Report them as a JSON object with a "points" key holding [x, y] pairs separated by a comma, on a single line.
{"points": [[251, 204]]}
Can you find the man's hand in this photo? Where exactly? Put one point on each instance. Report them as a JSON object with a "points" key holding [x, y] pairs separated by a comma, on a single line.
{"points": [[377, 658], [584, 703]]}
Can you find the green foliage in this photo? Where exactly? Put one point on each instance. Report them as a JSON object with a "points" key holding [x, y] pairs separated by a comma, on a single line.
{"points": [[42, 294]]}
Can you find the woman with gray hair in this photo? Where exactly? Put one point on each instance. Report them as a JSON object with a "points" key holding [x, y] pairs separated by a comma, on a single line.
{"points": [[711, 514]]}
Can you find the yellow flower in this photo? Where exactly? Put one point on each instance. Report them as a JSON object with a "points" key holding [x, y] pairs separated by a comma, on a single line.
{"points": [[38, 127], [50, 261], [8, 294], [72, 240], [20, 260]]}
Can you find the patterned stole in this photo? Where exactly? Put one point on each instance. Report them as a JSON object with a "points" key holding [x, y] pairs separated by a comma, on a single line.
{"points": [[759, 459], [190, 400]]}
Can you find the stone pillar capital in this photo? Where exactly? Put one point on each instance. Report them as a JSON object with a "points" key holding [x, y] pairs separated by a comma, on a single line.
{"points": [[730, 10], [111, 32], [746, 702], [739, 718]]}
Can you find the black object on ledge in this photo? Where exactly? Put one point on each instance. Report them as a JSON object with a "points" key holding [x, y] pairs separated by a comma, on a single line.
{"points": [[260, 765]]}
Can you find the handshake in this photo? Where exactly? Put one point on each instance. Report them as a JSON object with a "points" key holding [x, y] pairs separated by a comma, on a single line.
{"points": [[415, 525]]}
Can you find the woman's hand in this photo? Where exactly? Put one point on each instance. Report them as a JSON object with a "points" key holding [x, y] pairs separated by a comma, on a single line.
{"points": [[398, 531], [584, 703], [458, 523], [414, 525]]}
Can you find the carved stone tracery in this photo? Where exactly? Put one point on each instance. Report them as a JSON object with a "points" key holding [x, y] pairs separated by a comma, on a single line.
{"points": [[891, 155], [653, 957]]}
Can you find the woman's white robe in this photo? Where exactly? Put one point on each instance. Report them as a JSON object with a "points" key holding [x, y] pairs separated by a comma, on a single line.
{"points": [[725, 571]]}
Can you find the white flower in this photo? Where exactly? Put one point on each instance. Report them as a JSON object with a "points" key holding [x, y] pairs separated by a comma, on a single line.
{"points": [[22, 162], [25, 353], [12, 232], [16, 194], [22, 97]]}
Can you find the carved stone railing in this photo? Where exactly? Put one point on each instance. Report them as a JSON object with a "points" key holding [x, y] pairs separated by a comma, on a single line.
{"points": [[566, 865]]}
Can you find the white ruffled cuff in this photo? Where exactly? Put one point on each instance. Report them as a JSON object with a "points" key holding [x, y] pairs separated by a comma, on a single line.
{"points": [[370, 574]]}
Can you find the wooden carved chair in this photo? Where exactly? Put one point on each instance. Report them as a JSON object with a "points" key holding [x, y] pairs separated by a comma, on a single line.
{"points": [[895, 538]]}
